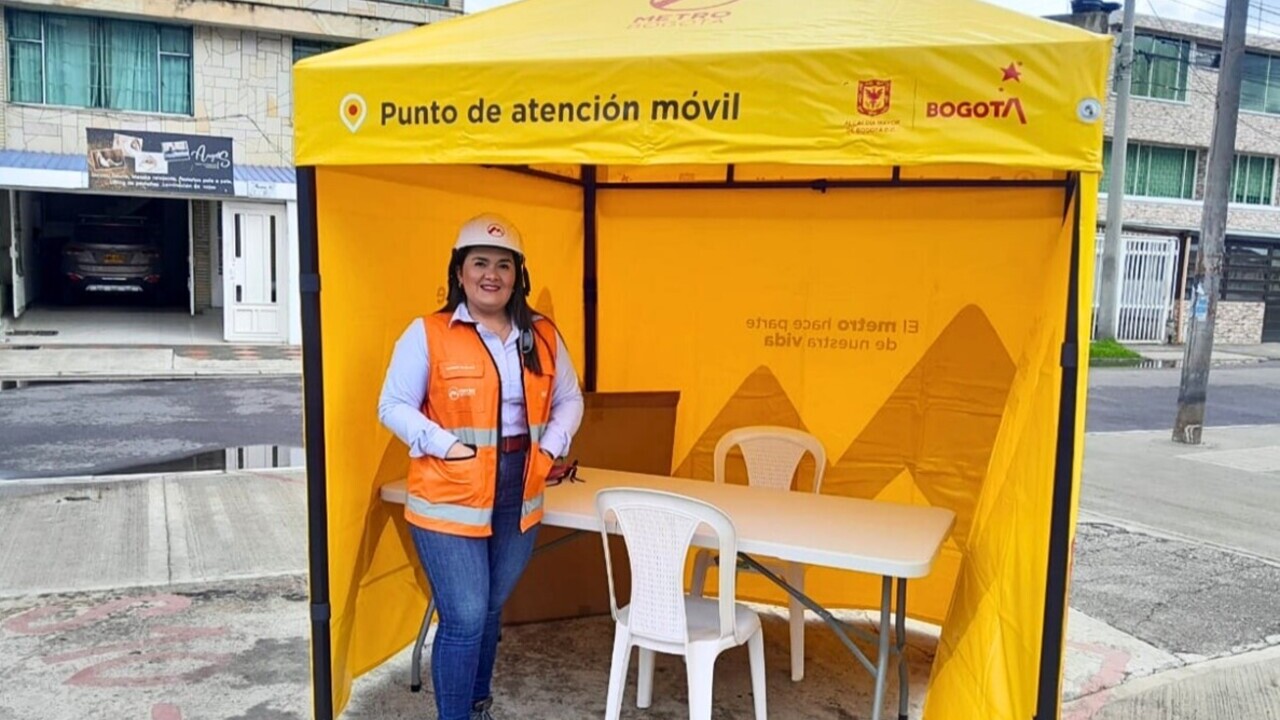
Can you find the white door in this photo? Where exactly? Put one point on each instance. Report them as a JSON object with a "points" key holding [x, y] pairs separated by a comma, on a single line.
{"points": [[255, 282]]}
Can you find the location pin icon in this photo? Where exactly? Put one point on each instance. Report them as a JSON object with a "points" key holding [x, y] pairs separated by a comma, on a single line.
{"points": [[352, 110]]}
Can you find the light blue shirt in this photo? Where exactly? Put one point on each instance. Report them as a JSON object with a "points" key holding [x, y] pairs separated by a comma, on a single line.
{"points": [[405, 389]]}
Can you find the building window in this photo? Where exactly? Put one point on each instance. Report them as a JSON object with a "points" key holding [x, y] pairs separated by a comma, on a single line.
{"points": [[1155, 171], [1260, 88], [1160, 67], [303, 49], [57, 59], [1253, 180]]}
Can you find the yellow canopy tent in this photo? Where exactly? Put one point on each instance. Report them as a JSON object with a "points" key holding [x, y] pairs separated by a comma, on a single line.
{"points": [[864, 219]]}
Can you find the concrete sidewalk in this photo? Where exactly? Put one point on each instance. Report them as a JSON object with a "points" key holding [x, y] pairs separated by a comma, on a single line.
{"points": [[64, 363], [1223, 354]]}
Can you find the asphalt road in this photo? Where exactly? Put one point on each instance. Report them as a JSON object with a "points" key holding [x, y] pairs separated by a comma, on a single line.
{"points": [[99, 428], [102, 428], [1132, 399]]}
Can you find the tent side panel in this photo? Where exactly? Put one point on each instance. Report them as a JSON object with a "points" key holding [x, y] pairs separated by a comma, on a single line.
{"points": [[385, 238], [989, 655], [891, 323]]}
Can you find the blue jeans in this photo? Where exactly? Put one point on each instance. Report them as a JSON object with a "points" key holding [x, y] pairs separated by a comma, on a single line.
{"points": [[471, 579]]}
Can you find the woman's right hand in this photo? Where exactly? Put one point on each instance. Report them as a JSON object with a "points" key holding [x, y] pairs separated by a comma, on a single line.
{"points": [[458, 451]]}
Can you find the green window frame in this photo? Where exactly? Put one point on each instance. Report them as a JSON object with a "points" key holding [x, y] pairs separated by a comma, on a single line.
{"points": [[303, 48], [1160, 67], [1155, 171], [1260, 86], [91, 62], [1253, 180]]}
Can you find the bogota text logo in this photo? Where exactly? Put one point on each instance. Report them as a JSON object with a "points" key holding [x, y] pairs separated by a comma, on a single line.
{"points": [[996, 109], [353, 110], [684, 13], [873, 96]]}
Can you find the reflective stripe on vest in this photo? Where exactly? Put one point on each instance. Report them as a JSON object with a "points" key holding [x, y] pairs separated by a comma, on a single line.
{"points": [[488, 437], [531, 506], [476, 437], [461, 514]]}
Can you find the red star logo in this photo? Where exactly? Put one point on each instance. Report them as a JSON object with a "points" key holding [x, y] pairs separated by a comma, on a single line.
{"points": [[1011, 73]]}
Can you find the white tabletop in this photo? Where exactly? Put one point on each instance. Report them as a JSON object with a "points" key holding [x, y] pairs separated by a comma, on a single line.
{"points": [[870, 536]]}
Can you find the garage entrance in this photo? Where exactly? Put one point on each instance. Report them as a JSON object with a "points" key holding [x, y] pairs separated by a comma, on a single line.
{"points": [[95, 269]]}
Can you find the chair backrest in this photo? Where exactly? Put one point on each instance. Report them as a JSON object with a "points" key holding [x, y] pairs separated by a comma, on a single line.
{"points": [[658, 528], [772, 455]]}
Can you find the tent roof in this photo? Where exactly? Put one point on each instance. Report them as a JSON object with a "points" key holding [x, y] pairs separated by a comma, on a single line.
{"points": [[821, 81]]}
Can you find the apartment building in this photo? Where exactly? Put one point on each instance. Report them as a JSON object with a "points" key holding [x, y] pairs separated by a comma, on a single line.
{"points": [[1171, 114], [146, 161]]}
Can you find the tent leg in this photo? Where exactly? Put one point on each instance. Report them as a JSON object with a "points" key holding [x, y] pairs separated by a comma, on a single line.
{"points": [[313, 416], [1048, 700]]}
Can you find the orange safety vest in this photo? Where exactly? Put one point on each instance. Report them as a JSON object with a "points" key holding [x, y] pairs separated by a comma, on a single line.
{"points": [[464, 397]]}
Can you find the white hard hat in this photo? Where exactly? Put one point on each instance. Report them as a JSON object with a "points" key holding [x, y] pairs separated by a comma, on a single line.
{"points": [[489, 230]]}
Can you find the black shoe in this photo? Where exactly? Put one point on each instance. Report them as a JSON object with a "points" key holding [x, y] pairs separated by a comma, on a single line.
{"points": [[480, 711]]}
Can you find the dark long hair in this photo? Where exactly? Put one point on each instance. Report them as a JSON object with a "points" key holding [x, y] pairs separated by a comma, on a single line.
{"points": [[517, 307]]}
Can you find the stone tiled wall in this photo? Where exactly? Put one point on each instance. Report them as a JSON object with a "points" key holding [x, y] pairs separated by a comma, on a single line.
{"points": [[1237, 323], [242, 90], [346, 19], [1155, 213], [242, 75], [1190, 124]]}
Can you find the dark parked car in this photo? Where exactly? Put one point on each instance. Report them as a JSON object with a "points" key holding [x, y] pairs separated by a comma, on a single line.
{"points": [[111, 255]]}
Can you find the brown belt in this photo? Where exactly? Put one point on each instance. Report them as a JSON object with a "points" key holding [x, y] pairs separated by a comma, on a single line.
{"points": [[515, 443]]}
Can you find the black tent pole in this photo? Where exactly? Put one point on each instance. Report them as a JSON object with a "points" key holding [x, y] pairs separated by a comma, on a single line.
{"points": [[590, 287], [313, 427], [1055, 601]]}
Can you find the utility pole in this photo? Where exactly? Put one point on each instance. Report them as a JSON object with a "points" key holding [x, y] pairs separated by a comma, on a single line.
{"points": [[1213, 229], [1109, 303]]}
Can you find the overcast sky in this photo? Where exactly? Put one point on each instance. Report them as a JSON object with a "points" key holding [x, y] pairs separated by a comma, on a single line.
{"points": [[1208, 12]]}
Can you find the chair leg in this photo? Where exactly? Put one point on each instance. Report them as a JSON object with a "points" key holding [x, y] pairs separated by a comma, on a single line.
{"points": [[700, 664], [644, 684], [701, 561], [618, 672], [755, 650], [795, 574]]}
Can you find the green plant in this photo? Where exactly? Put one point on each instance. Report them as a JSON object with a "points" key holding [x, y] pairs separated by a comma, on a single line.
{"points": [[1111, 350]]}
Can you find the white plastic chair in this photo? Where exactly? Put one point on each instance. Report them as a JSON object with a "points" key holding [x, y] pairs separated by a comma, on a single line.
{"points": [[658, 529], [772, 455]]}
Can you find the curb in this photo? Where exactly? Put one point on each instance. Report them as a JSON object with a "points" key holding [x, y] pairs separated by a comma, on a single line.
{"points": [[126, 377], [36, 482], [1148, 683]]}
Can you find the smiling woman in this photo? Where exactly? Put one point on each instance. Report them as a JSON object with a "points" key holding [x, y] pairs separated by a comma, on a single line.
{"points": [[486, 398]]}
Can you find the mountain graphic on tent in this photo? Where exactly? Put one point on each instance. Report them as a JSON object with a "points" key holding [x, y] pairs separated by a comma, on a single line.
{"points": [[936, 430], [545, 306]]}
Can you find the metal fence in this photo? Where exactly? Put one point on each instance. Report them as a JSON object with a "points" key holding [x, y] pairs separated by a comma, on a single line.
{"points": [[1148, 272]]}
